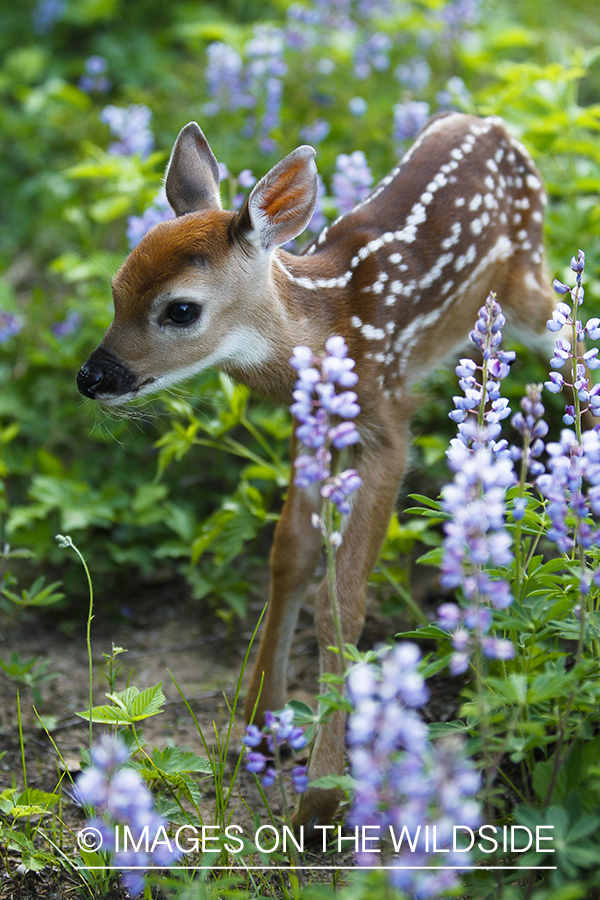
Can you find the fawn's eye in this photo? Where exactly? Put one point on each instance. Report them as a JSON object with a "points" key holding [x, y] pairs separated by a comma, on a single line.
{"points": [[182, 313]]}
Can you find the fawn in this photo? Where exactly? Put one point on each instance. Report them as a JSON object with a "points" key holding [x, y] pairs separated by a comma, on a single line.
{"points": [[400, 277]]}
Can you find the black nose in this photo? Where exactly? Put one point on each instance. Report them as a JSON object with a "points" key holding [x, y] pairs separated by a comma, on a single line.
{"points": [[89, 379], [104, 376]]}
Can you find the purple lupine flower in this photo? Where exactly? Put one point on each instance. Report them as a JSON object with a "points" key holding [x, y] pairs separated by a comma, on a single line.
{"points": [[300, 779], [475, 534], [46, 14], [402, 780], [563, 317], [69, 324], [487, 337], [469, 629], [409, 118], [120, 796], [315, 403], [455, 95], [132, 125], [357, 106], [458, 15], [158, 211], [339, 487], [94, 79], [414, 75], [572, 487], [372, 54], [9, 326], [316, 132], [265, 69], [278, 731], [352, 180], [531, 424], [226, 80]]}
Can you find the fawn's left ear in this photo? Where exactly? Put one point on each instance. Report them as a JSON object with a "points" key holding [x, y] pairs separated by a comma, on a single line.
{"points": [[281, 205], [192, 177]]}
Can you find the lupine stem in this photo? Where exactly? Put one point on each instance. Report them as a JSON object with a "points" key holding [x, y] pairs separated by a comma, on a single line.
{"points": [[332, 584], [574, 361]]}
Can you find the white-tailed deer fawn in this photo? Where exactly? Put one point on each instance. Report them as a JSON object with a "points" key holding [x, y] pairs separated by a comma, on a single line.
{"points": [[401, 277]]}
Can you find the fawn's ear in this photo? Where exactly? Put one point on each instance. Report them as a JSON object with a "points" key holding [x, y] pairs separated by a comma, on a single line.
{"points": [[192, 176], [281, 205]]}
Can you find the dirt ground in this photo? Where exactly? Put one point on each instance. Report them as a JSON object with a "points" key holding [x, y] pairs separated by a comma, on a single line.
{"points": [[164, 630]]}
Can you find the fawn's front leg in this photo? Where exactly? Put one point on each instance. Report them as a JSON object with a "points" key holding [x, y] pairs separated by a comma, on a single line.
{"points": [[373, 504], [294, 556]]}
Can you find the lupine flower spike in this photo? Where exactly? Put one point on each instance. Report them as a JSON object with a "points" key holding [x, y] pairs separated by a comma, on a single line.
{"points": [[403, 781], [120, 798], [315, 405], [482, 408], [278, 730], [585, 396], [475, 532]]}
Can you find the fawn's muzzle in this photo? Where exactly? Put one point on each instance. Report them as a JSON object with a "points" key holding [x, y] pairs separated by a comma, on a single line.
{"points": [[104, 376]]}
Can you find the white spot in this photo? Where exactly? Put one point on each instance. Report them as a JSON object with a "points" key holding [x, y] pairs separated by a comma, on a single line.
{"points": [[475, 202], [466, 259], [356, 322], [460, 201], [390, 326], [426, 198], [476, 226], [395, 258], [436, 270], [441, 179], [485, 218], [455, 231], [491, 164], [390, 300], [455, 153], [372, 333], [517, 218], [522, 235], [490, 201], [522, 203], [537, 216], [498, 155], [489, 182], [531, 282], [533, 182]]}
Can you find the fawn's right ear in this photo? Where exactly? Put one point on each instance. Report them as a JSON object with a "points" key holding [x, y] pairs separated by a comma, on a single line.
{"points": [[192, 177]]}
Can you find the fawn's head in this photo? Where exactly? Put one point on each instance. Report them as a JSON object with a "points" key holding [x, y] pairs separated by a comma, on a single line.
{"points": [[192, 293]]}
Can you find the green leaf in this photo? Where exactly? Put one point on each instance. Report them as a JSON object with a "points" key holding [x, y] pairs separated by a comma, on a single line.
{"points": [[130, 706], [329, 782], [443, 729], [173, 759]]}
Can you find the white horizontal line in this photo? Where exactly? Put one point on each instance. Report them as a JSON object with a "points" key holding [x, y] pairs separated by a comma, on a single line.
{"points": [[334, 868]]}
